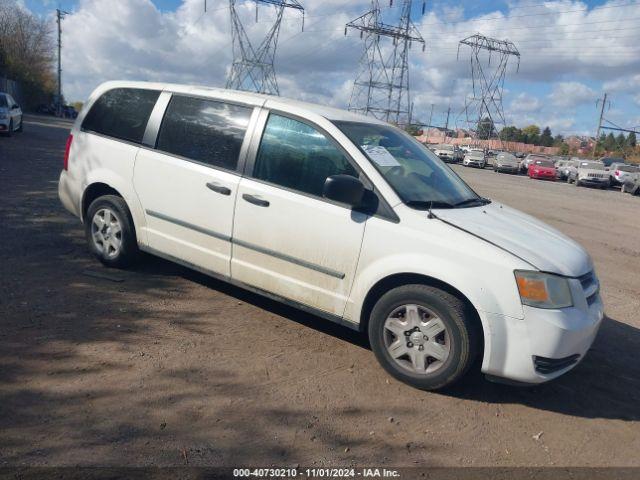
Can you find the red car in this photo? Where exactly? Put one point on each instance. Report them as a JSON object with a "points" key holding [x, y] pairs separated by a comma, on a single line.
{"points": [[542, 169]]}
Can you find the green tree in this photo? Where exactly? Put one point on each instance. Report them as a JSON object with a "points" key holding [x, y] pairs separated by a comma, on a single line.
{"points": [[510, 134], [564, 148], [558, 140], [610, 142], [546, 139], [26, 51], [531, 134], [631, 140], [486, 129], [620, 141]]}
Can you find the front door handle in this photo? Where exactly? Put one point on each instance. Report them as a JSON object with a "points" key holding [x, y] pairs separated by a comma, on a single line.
{"points": [[218, 188], [255, 200]]}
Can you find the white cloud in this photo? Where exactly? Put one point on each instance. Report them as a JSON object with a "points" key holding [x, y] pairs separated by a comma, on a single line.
{"points": [[566, 44], [525, 103], [571, 94]]}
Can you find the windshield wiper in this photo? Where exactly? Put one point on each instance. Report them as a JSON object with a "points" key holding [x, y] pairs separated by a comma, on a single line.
{"points": [[428, 204], [472, 201]]}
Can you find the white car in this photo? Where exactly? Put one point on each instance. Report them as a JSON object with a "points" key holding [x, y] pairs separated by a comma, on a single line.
{"points": [[448, 153], [10, 115], [335, 213], [475, 158]]}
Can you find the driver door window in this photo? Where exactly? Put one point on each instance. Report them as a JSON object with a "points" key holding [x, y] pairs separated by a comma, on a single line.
{"points": [[296, 156]]}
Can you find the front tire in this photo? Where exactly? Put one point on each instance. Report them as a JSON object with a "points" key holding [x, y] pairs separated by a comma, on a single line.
{"points": [[20, 128], [110, 232], [423, 336], [10, 131]]}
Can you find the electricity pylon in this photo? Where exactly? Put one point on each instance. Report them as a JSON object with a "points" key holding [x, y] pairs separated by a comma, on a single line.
{"points": [[252, 68], [485, 104], [381, 88]]}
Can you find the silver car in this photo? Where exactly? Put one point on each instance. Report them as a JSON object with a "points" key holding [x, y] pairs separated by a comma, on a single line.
{"points": [[618, 172], [10, 115], [505, 162], [589, 173]]}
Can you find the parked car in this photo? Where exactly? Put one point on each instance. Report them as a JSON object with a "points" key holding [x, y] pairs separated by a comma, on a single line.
{"points": [[529, 159], [619, 171], [45, 109], [543, 170], [506, 162], [10, 115], [448, 153], [335, 213], [69, 111], [562, 168], [475, 158], [607, 161], [589, 173], [631, 184]]}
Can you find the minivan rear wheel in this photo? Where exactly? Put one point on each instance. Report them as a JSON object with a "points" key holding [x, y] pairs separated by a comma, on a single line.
{"points": [[110, 232], [423, 336]]}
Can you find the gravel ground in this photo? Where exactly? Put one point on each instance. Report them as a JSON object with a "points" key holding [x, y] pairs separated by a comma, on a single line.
{"points": [[163, 366]]}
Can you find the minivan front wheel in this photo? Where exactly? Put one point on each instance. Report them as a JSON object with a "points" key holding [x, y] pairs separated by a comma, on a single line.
{"points": [[110, 232], [423, 336]]}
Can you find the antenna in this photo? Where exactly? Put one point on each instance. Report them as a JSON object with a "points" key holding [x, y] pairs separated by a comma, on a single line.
{"points": [[253, 68]]}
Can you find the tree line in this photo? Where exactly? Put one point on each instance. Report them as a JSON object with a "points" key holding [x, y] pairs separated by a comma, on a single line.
{"points": [[26, 52]]}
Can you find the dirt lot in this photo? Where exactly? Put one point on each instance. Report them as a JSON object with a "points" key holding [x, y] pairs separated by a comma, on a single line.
{"points": [[164, 366]]}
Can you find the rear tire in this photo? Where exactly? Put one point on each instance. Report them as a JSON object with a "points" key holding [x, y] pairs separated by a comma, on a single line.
{"points": [[424, 336], [577, 182], [110, 232]]}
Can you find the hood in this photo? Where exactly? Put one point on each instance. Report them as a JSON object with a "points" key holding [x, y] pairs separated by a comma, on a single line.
{"points": [[533, 241], [540, 167], [511, 163]]}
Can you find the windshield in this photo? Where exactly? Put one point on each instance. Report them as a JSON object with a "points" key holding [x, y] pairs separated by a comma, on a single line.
{"points": [[446, 147], [544, 163], [475, 155], [592, 166], [506, 157], [416, 174]]}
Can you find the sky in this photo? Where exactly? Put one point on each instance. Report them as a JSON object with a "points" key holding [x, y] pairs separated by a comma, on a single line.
{"points": [[571, 52]]}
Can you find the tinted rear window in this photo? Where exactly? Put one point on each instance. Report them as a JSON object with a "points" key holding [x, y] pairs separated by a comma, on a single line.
{"points": [[207, 131], [122, 113]]}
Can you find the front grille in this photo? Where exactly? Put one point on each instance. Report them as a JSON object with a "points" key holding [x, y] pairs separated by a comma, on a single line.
{"points": [[550, 365]]}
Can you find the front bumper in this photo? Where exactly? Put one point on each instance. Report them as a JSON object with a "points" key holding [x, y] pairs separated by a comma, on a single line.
{"points": [[508, 168], [594, 181], [4, 124], [545, 343]]}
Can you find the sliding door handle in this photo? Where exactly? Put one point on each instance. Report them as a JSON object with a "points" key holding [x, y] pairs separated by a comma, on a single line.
{"points": [[216, 187], [255, 200]]}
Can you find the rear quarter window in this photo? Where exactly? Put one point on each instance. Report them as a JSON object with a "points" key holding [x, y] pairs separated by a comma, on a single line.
{"points": [[121, 113], [207, 131]]}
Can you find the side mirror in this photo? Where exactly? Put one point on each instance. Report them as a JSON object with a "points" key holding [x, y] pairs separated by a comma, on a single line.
{"points": [[344, 189], [15, 107]]}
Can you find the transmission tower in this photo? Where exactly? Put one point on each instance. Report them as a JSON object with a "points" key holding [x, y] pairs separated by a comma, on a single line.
{"points": [[485, 103], [381, 87], [252, 68]]}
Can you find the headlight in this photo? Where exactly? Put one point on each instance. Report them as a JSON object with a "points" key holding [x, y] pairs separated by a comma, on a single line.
{"points": [[543, 290]]}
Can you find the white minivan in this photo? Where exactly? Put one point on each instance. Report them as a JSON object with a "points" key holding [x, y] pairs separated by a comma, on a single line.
{"points": [[335, 213]]}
